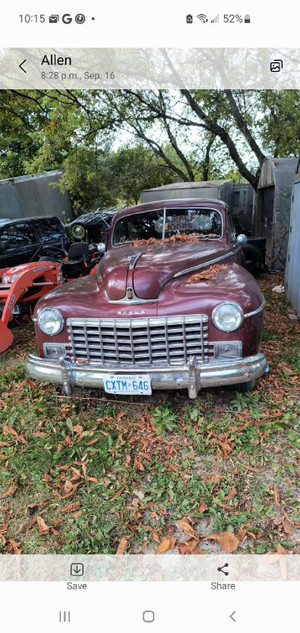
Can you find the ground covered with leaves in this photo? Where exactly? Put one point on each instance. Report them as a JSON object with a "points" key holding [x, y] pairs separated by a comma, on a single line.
{"points": [[93, 474]]}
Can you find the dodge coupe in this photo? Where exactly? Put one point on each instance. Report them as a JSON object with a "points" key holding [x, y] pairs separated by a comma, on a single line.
{"points": [[171, 306]]}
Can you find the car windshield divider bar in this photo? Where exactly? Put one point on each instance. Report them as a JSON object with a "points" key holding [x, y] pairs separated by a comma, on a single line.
{"points": [[164, 223]]}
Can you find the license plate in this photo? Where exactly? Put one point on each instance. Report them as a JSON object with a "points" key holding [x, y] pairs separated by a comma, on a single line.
{"points": [[126, 384]]}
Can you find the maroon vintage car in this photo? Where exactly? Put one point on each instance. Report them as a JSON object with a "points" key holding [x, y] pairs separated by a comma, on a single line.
{"points": [[170, 307]]}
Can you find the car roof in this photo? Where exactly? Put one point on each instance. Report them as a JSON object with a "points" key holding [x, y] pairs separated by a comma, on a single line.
{"points": [[171, 204], [22, 220]]}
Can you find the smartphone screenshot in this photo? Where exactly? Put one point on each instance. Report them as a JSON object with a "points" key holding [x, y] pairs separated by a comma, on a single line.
{"points": [[149, 317]]}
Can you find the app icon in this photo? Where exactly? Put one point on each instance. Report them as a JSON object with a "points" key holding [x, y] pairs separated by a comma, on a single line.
{"points": [[53, 19], [66, 18], [80, 18], [189, 19]]}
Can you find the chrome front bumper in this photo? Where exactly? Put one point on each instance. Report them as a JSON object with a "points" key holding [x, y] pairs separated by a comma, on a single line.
{"points": [[193, 376]]}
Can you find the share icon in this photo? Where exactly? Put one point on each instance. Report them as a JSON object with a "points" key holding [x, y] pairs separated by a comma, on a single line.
{"points": [[222, 569]]}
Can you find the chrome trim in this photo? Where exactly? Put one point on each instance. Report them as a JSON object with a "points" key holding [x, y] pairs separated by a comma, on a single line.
{"points": [[251, 314], [192, 376], [134, 301], [203, 265], [156, 341], [133, 260], [164, 223]]}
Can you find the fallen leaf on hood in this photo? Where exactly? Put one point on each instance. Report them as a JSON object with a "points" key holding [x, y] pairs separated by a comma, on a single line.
{"points": [[166, 543], [227, 540], [43, 527], [122, 546], [209, 273]]}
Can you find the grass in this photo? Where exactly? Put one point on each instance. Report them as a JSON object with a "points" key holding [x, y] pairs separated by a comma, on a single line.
{"points": [[80, 474]]}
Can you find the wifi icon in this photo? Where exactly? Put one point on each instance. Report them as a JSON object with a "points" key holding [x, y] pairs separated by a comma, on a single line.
{"points": [[202, 17]]}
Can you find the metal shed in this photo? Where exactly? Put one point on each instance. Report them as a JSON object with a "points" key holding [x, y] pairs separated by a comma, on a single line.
{"points": [[28, 196], [220, 189], [272, 216], [238, 196], [292, 283]]}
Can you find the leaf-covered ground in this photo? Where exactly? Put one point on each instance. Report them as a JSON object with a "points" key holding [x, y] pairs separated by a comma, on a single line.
{"points": [[94, 474]]}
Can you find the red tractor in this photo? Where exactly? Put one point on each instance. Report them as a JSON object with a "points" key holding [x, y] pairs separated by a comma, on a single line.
{"points": [[21, 286]]}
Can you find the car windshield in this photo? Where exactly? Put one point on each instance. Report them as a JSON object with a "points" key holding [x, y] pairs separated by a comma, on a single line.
{"points": [[165, 224]]}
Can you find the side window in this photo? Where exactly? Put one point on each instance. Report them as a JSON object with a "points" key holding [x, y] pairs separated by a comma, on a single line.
{"points": [[18, 235], [231, 227], [49, 230]]}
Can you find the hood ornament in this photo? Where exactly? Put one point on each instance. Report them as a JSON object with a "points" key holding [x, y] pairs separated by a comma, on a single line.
{"points": [[129, 293]]}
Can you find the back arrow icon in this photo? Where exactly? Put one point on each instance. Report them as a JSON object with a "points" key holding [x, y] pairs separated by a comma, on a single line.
{"points": [[231, 616], [21, 66]]}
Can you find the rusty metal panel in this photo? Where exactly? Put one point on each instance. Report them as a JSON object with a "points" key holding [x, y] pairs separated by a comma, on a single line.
{"points": [[273, 208], [292, 283]]}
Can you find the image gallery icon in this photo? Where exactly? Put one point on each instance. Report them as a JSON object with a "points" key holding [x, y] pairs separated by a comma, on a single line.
{"points": [[276, 65]]}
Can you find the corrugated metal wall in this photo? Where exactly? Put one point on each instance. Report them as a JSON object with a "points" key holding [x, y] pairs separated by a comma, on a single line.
{"points": [[27, 196], [292, 271]]}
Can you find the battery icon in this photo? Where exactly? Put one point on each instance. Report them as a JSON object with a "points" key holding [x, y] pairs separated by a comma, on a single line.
{"points": [[247, 19]]}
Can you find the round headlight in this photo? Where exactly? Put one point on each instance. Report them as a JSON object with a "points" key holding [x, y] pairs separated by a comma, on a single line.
{"points": [[228, 316], [50, 321], [78, 231]]}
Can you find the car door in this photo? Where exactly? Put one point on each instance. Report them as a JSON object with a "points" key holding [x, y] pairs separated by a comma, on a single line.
{"points": [[18, 244]]}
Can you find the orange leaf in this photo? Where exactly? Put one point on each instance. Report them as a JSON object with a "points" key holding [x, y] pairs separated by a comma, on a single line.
{"points": [[7, 430], [254, 470], [68, 486], [201, 507], [43, 527], [166, 543], [184, 525], [232, 493], [122, 545], [8, 492], [71, 507], [227, 540], [280, 549], [14, 547], [78, 429]]}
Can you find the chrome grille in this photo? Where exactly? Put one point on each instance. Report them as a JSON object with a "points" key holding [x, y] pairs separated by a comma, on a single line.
{"points": [[139, 342]]}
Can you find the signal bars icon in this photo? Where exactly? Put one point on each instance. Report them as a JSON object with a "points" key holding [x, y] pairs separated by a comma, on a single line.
{"points": [[216, 19]]}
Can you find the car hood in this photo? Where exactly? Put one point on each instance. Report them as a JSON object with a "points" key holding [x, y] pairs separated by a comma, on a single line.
{"points": [[147, 268]]}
